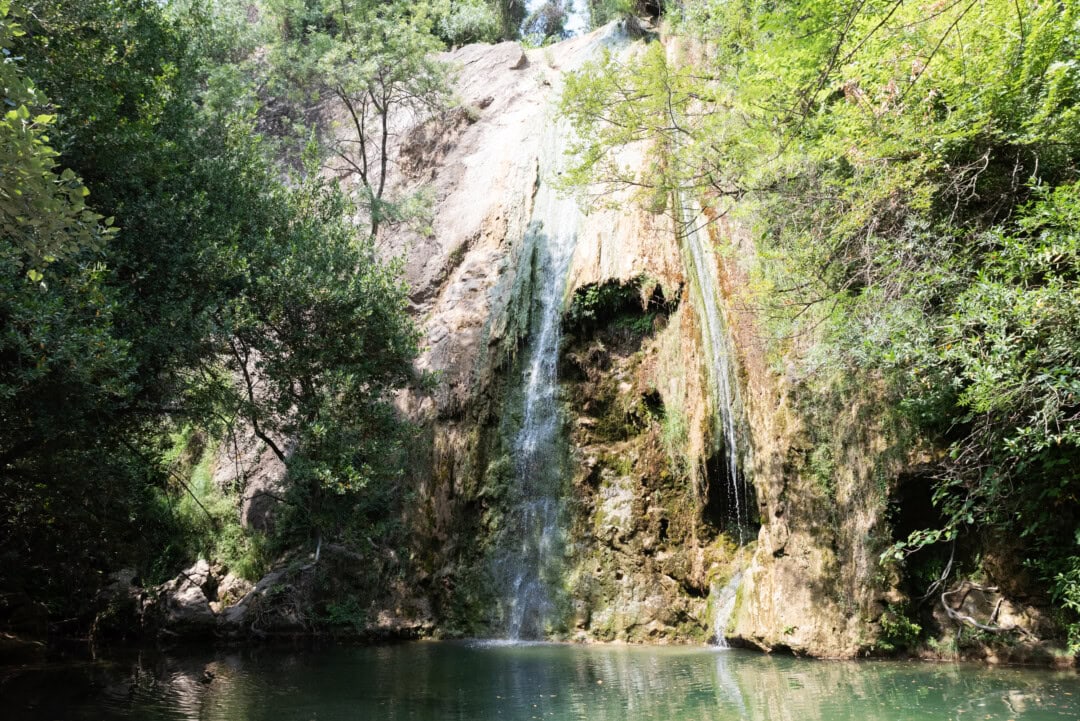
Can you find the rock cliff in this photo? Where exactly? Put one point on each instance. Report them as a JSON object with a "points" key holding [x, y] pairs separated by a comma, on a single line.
{"points": [[648, 536], [641, 549]]}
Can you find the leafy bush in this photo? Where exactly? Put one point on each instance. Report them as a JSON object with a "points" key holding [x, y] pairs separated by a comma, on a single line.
{"points": [[546, 24], [898, 631], [468, 21], [1065, 590]]}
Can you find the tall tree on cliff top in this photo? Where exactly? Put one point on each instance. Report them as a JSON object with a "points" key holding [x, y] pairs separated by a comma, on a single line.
{"points": [[376, 60]]}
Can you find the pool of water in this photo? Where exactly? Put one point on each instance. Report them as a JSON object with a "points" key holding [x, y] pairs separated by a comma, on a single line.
{"points": [[477, 681]]}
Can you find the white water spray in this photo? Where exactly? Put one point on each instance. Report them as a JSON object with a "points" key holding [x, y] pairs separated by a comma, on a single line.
{"points": [[723, 599], [536, 523], [531, 562]]}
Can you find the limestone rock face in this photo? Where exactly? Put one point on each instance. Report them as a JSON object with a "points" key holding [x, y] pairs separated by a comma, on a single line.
{"points": [[460, 274], [645, 547], [644, 553], [245, 462], [639, 554], [230, 590]]}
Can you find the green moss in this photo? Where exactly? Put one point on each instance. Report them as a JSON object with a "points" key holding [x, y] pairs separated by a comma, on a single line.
{"points": [[822, 469], [676, 432], [632, 307]]}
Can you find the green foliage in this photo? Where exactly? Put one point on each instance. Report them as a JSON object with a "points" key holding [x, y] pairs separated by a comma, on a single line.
{"points": [[909, 176], [596, 303], [377, 60], [43, 212], [347, 613], [467, 21], [675, 435], [614, 103], [822, 468], [1065, 590], [206, 514], [217, 285], [314, 278], [1006, 364], [612, 303], [545, 24], [602, 12], [898, 631]]}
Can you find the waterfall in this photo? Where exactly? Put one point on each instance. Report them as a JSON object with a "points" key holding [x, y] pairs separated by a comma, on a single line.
{"points": [[702, 264], [723, 599], [530, 563], [536, 524]]}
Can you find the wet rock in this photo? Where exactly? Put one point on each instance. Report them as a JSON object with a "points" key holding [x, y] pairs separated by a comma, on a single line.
{"points": [[244, 615], [120, 607], [15, 649], [233, 588]]}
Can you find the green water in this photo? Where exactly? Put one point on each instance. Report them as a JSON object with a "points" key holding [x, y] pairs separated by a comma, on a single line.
{"points": [[461, 681]]}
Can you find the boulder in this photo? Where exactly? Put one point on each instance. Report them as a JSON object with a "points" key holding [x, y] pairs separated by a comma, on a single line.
{"points": [[182, 604]]}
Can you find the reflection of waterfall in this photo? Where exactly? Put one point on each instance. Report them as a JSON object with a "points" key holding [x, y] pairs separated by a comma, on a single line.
{"points": [[729, 697], [422, 681], [723, 600], [722, 371]]}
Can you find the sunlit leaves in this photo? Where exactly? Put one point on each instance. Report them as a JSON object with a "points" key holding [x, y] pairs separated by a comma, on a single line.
{"points": [[43, 209], [908, 174]]}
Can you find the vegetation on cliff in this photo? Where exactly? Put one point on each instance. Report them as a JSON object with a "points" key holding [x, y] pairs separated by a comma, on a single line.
{"points": [[909, 173], [165, 279]]}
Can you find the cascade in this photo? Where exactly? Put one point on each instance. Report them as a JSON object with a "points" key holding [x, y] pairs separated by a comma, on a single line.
{"points": [[536, 522], [723, 599], [530, 562], [702, 264]]}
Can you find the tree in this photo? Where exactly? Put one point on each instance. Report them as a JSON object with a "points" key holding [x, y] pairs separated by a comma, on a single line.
{"points": [[460, 22], [122, 343], [319, 341], [375, 59], [546, 23], [43, 213]]}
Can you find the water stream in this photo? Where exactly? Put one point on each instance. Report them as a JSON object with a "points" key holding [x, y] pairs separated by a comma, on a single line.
{"points": [[531, 560], [537, 521], [723, 604], [701, 263], [722, 371]]}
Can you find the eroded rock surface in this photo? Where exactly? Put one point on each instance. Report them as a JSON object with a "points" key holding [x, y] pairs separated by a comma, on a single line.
{"points": [[645, 550]]}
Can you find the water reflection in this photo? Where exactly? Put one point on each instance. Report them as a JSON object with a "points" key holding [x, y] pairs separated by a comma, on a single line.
{"points": [[444, 681]]}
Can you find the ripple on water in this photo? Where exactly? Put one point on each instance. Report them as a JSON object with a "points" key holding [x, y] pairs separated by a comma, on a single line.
{"points": [[479, 680]]}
